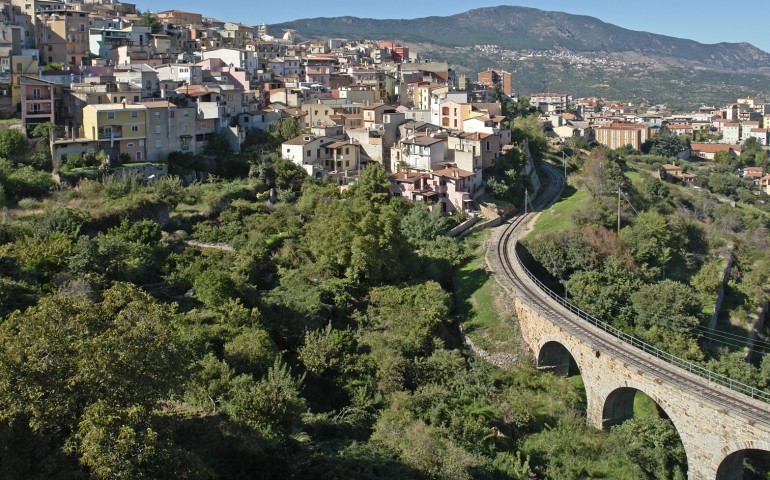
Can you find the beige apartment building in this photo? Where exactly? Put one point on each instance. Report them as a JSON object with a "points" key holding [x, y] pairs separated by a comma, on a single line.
{"points": [[617, 135], [62, 37]]}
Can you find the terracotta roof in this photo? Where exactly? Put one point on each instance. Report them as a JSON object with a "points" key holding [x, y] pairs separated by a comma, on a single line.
{"points": [[453, 172], [713, 147], [406, 176]]}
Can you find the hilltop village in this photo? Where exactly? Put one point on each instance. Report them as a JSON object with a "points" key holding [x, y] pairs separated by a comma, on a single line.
{"points": [[140, 87]]}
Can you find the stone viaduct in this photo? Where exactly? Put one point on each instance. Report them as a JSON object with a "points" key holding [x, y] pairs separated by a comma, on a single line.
{"points": [[717, 425]]}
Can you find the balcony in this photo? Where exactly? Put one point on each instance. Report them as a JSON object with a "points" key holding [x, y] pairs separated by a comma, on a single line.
{"points": [[33, 113], [115, 132], [37, 98]]}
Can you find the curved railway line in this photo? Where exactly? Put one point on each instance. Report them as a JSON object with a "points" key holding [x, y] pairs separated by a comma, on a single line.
{"points": [[720, 391]]}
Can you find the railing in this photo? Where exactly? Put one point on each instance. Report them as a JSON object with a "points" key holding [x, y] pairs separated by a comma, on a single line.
{"points": [[691, 367]]}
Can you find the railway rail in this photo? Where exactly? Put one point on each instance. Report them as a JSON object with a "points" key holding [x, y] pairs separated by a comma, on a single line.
{"points": [[709, 386]]}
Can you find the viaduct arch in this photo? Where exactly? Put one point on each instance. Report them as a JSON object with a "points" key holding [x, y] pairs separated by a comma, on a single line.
{"points": [[716, 425], [714, 437]]}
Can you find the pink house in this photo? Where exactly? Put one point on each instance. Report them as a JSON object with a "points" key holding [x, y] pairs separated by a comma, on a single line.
{"points": [[37, 101], [450, 187]]}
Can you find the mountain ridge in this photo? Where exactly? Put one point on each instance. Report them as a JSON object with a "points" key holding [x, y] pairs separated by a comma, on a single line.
{"points": [[526, 28]]}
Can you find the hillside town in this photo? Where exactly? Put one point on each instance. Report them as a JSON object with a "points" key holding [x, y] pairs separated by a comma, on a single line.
{"points": [[233, 251], [141, 86]]}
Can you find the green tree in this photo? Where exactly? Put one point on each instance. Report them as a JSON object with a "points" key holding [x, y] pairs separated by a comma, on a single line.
{"points": [[668, 144], [271, 406], [654, 445], [288, 128], [149, 20], [669, 305], [123, 351], [123, 444], [12, 143], [251, 351], [421, 225]]}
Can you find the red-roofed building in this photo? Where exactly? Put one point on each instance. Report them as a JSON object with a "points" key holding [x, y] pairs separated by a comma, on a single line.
{"points": [[709, 150]]}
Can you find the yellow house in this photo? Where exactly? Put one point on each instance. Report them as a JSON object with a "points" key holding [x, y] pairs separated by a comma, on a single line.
{"points": [[120, 127]]}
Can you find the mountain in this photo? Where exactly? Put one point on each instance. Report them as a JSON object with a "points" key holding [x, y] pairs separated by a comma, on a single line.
{"points": [[562, 52], [522, 28]]}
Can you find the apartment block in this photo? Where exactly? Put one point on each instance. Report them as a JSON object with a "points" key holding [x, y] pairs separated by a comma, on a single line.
{"points": [[492, 78], [617, 135]]}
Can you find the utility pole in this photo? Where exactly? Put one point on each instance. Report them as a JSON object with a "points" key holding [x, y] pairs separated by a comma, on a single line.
{"points": [[526, 193], [564, 160], [618, 209]]}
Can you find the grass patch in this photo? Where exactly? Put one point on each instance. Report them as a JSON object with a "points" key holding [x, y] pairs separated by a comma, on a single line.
{"points": [[481, 305], [558, 218], [645, 407]]}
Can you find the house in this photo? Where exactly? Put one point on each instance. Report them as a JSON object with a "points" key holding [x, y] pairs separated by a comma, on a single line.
{"points": [[419, 153], [761, 134], [731, 133], [323, 157], [764, 184], [752, 174], [452, 188], [746, 128], [674, 173], [681, 129], [671, 170], [709, 150], [62, 36], [455, 188], [169, 129], [482, 146], [179, 17], [120, 129], [452, 114], [38, 99], [550, 103], [305, 149]]}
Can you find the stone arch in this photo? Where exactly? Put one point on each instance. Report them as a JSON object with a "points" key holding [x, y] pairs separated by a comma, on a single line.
{"points": [[619, 406], [555, 357], [730, 467]]}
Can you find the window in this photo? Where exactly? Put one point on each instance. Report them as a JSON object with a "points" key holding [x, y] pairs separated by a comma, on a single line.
{"points": [[309, 153], [130, 145], [141, 143], [157, 128], [110, 114], [157, 143], [134, 128], [134, 114], [138, 156], [157, 114], [489, 145], [171, 114], [347, 163], [136, 99]]}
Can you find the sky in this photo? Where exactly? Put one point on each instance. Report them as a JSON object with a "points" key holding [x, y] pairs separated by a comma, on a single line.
{"points": [[707, 21]]}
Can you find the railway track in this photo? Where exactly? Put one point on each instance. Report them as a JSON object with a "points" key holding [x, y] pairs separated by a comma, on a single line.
{"points": [[717, 390]]}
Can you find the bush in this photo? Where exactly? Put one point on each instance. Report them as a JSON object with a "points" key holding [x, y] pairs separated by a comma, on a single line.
{"points": [[29, 204]]}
